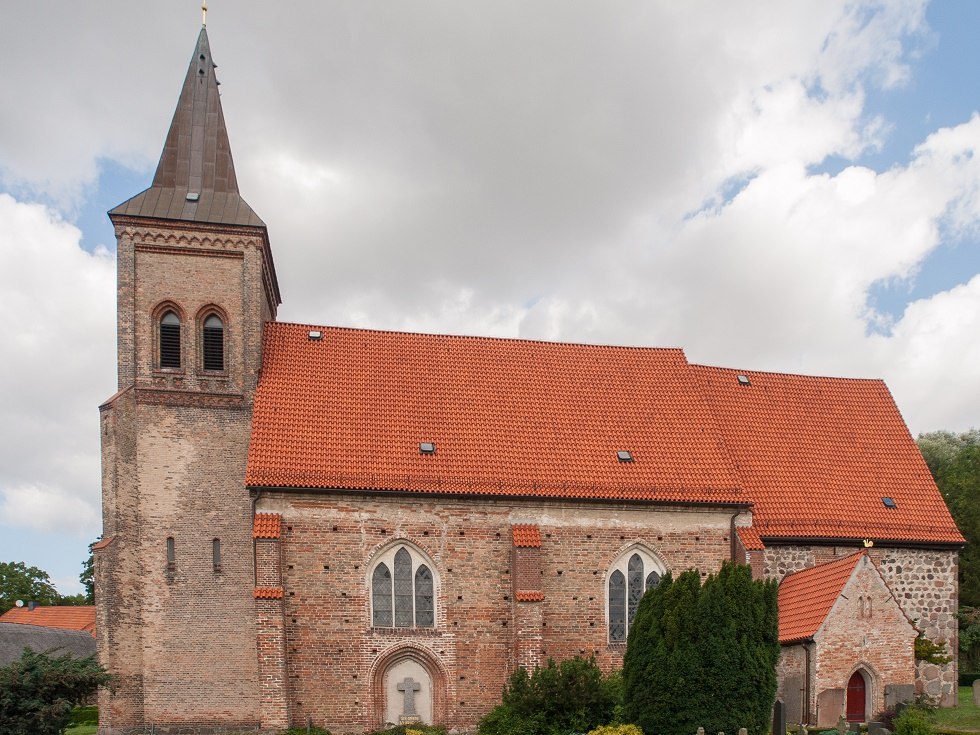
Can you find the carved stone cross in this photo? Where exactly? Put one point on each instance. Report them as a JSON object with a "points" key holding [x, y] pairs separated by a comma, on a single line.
{"points": [[409, 686]]}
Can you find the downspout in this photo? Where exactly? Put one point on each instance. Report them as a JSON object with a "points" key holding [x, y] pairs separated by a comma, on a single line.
{"points": [[807, 685], [255, 558], [731, 536]]}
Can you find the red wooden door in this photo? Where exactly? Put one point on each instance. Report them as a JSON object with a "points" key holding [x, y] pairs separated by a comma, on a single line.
{"points": [[855, 698]]}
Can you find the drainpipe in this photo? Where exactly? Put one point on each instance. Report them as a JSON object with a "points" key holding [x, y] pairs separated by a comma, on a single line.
{"points": [[255, 558], [807, 686]]}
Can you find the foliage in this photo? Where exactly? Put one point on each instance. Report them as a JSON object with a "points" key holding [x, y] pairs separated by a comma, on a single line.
{"points": [[85, 715], [87, 576], [572, 696], [409, 729], [616, 730], [913, 721], [931, 652], [703, 655], [38, 692], [969, 624], [312, 730], [21, 582], [954, 460]]}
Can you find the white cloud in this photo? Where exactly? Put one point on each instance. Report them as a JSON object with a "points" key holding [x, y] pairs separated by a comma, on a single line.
{"points": [[58, 304]]}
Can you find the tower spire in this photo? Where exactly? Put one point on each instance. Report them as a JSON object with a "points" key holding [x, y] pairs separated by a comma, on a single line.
{"points": [[195, 178]]}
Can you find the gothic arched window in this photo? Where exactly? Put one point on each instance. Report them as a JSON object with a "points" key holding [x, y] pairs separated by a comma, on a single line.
{"points": [[213, 343], [629, 578], [402, 590], [169, 333]]}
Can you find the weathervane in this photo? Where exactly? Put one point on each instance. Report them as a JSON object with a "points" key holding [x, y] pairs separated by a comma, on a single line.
{"points": [[204, 13]]}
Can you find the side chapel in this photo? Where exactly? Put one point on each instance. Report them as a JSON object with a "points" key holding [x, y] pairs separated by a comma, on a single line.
{"points": [[352, 527]]}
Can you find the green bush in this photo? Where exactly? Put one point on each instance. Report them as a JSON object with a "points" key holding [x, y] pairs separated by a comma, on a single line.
{"points": [[84, 716], [572, 696], [913, 721], [410, 729], [616, 730], [39, 692], [967, 678]]}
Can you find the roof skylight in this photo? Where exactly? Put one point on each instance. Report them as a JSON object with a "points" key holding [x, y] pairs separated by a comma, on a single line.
{"points": [[624, 456], [427, 448]]}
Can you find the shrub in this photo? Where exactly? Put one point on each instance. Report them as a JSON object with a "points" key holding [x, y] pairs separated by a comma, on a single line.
{"points": [[38, 692], [572, 696], [302, 730], [913, 721], [410, 729], [616, 730], [85, 716]]}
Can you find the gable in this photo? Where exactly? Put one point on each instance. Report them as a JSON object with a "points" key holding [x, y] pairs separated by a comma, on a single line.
{"points": [[806, 597]]}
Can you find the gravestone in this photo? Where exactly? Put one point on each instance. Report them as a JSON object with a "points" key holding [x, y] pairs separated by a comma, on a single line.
{"points": [[779, 718], [976, 692], [895, 694], [830, 707], [408, 686]]}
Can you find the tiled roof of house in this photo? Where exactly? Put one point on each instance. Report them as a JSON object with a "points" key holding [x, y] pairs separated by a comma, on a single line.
{"points": [[526, 536], [805, 597], [818, 455], [267, 525], [68, 617], [507, 417]]}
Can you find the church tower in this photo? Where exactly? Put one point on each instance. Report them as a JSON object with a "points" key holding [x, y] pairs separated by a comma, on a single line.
{"points": [[174, 571]]}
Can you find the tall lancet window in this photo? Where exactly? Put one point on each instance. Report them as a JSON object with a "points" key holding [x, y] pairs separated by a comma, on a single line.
{"points": [[629, 578], [170, 340], [403, 589], [214, 343]]}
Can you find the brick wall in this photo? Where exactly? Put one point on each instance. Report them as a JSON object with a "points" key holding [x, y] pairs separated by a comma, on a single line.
{"points": [[336, 659]]}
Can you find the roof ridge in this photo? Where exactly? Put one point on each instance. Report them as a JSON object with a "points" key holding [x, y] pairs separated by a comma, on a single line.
{"points": [[721, 368]]}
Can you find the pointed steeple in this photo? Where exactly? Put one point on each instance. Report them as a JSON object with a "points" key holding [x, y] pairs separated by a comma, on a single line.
{"points": [[195, 179]]}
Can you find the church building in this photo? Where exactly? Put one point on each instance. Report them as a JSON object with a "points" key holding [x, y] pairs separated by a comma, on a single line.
{"points": [[347, 527]]}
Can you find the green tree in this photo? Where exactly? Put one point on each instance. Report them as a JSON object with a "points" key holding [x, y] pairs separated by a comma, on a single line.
{"points": [[38, 692], [21, 582], [572, 696], [87, 577], [703, 655], [954, 460]]}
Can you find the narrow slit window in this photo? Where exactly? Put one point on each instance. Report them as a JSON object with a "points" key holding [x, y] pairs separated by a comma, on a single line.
{"points": [[214, 343], [171, 553], [216, 554], [170, 340]]}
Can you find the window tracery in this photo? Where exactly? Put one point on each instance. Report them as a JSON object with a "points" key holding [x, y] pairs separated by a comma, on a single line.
{"points": [[635, 572], [402, 590]]}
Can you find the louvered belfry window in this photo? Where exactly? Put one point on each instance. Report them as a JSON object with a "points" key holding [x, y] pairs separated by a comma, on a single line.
{"points": [[170, 340], [214, 343]]}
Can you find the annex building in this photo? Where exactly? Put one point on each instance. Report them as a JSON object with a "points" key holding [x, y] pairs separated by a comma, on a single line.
{"points": [[354, 527]]}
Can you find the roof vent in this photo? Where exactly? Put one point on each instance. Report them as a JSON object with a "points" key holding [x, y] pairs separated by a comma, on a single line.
{"points": [[744, 380], [427, 448], [624, 456], [315, 334], [192, 196], [889, 503]]}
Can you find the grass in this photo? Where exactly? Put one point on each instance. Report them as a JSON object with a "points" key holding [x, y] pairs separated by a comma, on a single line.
{"points": [[81, 730], [964, 718]]}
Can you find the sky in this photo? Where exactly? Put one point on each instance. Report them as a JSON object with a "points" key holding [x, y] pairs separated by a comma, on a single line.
{"points": [[791, 187]]}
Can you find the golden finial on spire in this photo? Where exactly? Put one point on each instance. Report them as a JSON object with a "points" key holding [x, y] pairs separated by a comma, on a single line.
{"points": [[204, 13]]}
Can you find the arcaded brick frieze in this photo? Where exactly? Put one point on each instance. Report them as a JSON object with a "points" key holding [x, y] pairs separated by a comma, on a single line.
{"points": [[924, 582], [337, 658]]}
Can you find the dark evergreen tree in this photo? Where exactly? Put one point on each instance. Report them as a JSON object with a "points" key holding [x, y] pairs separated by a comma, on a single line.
{"points": [[703, 655]]}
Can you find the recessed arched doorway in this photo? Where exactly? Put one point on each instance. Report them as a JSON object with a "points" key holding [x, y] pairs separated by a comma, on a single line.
{"points": [[857, 696]]}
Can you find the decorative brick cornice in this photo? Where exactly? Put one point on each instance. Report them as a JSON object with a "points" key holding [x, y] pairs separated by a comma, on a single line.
{"points": [[268, 593], [157, 397], [203, 252]]}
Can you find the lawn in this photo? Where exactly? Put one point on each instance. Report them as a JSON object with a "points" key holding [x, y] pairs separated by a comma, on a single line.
{"points": [[965, 718]]}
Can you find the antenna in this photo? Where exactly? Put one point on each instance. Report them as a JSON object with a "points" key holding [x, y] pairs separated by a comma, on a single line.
{"points": [[19, 603]]}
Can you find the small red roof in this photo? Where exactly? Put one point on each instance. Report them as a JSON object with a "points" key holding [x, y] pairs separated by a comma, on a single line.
{"points": [[749, 537], [529, 595], [68, 617], [267, 525], [806, 597], [508, 417], [527, 536], [268, 593], [818, 455]]}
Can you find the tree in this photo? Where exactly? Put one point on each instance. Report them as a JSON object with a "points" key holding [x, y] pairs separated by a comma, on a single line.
{"points": [[87, 577], [954, 460], [703, 655], [38, 692], [21, 582]]}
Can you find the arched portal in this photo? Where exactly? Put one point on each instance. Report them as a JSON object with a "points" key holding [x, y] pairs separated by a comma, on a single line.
{"points": [[857, 696]]}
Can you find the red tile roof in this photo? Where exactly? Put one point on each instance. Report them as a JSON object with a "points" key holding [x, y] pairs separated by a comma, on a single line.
{"points": [[750, 538], [68, 617], [805, 597], [817, 455], [527, 536], [104, 543], [529, 595], [509, 418], [267, 525], [268, 593]]}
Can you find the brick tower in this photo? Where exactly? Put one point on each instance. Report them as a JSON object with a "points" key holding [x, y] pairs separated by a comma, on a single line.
{"points": [[174, 571]]}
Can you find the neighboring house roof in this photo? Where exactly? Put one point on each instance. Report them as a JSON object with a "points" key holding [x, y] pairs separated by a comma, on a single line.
{"points": [[351, 408], [195, 180], [15, 637], [68, 617], [806, 597], [507, 418], [818, 455]]}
